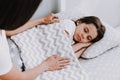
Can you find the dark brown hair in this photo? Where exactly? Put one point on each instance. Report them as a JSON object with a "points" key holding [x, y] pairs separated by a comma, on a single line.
{"points": [[99, 26], [15, 13]]}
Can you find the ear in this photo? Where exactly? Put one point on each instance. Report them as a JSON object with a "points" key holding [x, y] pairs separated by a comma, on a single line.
{"points": [[78, 22]]}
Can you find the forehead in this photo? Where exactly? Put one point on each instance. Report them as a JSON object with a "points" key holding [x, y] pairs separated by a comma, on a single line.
{"points": [[92, 30]]}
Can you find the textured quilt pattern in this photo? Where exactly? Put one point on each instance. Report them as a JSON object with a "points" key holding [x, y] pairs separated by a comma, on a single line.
{"points": [[38, 43]]}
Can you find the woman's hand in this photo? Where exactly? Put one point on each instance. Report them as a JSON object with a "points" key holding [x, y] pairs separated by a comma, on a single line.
{"points": [[51, 18], [55, 62]]}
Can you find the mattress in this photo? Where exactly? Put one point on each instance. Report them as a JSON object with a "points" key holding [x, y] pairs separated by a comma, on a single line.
{"points": [[42, 41], [104, 67]]}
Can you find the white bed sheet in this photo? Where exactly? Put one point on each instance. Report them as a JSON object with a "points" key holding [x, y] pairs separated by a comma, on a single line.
{"points": [[104, 67], [35, 47]]}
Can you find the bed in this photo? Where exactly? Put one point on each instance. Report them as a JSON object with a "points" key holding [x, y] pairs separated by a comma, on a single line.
{"points": [[102, 67], [33, 46]]}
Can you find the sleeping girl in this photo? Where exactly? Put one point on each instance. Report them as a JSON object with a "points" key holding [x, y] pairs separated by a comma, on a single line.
{"points": [[82, 33]]}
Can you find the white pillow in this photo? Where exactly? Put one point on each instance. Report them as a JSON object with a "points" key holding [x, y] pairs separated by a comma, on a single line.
{"points": [[110, 40]]}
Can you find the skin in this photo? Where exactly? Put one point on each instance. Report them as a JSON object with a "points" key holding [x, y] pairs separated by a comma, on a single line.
{"points": [[52, 63], [84, 33], [51, 18], [79, 48]]}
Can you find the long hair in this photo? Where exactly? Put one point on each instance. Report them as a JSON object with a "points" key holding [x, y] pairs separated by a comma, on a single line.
{"points": [[15, 13]]}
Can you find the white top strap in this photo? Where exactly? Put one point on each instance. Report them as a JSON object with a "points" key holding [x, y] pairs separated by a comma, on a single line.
{"points": [[5, 60]]}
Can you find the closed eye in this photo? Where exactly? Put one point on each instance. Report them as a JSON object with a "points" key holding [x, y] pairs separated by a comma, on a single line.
{"points": [[89, 38], [86, 30]]}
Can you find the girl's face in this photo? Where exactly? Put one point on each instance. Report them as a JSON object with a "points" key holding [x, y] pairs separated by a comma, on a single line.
{"points": [[84, 33]]}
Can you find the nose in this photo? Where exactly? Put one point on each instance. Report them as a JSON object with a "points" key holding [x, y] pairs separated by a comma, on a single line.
{"points": [[83, 36]]}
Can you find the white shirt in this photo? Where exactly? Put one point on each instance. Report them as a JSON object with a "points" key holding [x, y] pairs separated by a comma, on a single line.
{"points": [[5, 60], [69, 26]]}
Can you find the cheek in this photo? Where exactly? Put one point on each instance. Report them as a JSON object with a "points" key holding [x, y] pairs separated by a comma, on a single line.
{"points": [[85, 41], [79, 31]]}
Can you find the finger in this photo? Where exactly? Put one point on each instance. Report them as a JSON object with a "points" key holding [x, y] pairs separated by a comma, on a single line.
{"points": [[65, 64], [63, 58], [60, 68], [65, 61], [55, 17], [63, 67], [55, 20]]}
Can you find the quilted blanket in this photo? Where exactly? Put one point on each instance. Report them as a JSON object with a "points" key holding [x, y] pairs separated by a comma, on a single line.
{"points": [[42, 41]]}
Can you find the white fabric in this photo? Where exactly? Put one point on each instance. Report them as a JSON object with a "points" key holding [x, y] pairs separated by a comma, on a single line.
{"points": [[104, 67], [39, 43], [5, 60], [110, 40], [69, 26]]}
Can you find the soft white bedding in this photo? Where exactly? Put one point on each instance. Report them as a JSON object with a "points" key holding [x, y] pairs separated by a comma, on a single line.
{"points": [[43, 41], [104, 67]]}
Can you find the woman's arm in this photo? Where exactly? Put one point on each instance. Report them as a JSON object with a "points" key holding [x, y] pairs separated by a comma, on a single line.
{"points": [[26, 26], [15, 74], [51, 18], [52, 63]]}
